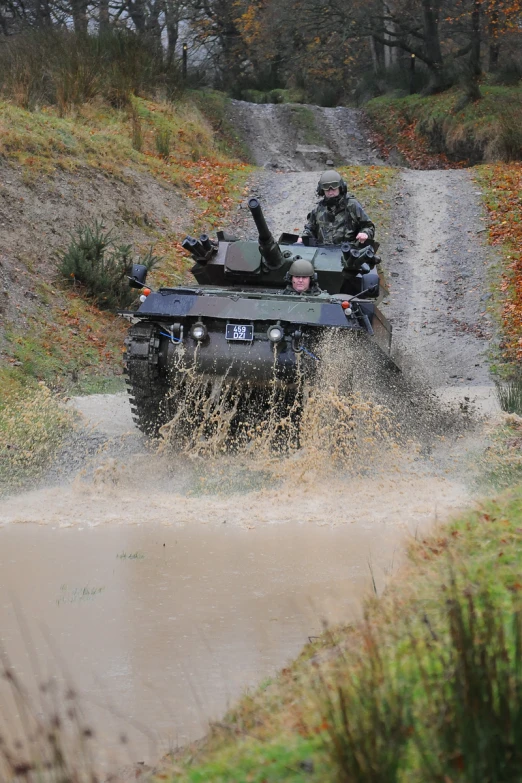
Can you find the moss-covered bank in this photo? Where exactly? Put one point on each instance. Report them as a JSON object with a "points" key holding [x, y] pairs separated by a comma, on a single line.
{"points": [[445, 129]]}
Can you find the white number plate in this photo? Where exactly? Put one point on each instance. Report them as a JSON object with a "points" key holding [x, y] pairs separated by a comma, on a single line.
{"points": [[239, 332]]}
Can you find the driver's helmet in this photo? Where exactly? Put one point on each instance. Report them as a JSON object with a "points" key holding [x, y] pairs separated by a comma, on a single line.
{"points": [[301, 268], [332, 179]]}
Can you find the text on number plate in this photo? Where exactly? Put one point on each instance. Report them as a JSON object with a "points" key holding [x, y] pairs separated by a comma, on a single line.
{"points": [[239, 332]]}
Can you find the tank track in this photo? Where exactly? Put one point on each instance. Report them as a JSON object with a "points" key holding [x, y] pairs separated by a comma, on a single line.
{"points": [[147, 386]]}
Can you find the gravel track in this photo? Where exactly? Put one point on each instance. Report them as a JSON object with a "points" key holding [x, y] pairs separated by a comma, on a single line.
{"points": [[279, 138]]}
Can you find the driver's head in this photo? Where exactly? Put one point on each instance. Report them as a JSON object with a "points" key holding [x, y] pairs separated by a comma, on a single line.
{"points": [[330, 184], [301, 273], [300, 283]]}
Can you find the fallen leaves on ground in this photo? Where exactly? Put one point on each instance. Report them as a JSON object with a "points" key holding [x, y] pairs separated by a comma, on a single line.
{"points": [[503, 189], [413, 146]]}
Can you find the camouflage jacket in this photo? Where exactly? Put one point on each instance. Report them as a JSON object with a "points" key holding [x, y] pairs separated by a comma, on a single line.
{"points": [[314, 290], [341, 222]]}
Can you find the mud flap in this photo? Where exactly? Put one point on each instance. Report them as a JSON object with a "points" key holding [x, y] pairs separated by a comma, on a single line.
{"points": [[382, 332]]}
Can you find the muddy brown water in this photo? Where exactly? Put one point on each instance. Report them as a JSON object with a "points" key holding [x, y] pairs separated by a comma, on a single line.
{"points": [[162, 607]]}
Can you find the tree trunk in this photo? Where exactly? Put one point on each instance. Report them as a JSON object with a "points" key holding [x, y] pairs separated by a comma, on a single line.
{"points": [[43, 14], [172, 19], [430, 19], [103, 17], [494, 44], [138, 16], [79, 15], [475, 70], [390, 52], [474, 60], [375, 49]]}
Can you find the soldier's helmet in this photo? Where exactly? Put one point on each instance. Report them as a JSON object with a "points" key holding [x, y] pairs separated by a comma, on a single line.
{"points": [[331, 179], [301, 268]]}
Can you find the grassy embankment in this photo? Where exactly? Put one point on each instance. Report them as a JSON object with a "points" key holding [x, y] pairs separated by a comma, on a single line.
{"points": [[66, 342]]}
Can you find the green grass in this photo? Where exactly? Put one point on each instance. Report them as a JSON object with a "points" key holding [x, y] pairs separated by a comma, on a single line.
{"points": [[102, 137], [92, 384], [303, 120], [509, 393], [214, 104], [501, 463], [59, 344], [292, 760], [33, 425], [489, 129]]}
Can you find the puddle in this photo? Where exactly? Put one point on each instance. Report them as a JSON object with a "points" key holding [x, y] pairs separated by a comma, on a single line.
{"points": [[165, 625]]}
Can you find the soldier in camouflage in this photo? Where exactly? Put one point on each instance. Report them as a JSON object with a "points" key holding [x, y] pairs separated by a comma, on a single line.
{"points": [[302, 279], [338, 217]]}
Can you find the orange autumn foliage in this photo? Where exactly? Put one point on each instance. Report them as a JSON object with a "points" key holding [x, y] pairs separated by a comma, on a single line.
{"points": [[504, 204]]}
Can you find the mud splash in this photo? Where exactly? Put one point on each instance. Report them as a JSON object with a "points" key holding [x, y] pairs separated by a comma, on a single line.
{"points": [[171, 578], [252, 458]]}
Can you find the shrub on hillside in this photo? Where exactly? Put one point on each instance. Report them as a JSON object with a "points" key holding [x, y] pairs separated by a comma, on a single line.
{"points": [[162, 141], [97, 262], [59, 67], [442, 701]]}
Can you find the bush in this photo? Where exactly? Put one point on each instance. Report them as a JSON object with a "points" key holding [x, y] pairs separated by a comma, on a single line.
{"points": [[510, 136], [162, 141], [440, 702], [397, 80], [510, 73], [137, 129], [33, 424], [59, 67], [509, 394], [214, 106], [97, 262]]}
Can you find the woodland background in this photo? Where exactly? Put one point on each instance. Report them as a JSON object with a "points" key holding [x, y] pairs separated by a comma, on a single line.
{"points": [[317, 51]]}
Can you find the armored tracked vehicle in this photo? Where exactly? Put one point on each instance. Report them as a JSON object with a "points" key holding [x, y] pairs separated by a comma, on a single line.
{"points": [[242, 323]]}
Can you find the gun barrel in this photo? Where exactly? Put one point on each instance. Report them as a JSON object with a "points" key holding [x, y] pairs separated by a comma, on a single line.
{"points": [[267, 245], [259, 219]]}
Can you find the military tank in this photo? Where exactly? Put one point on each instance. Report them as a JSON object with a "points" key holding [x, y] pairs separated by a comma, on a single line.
{"points": [[240, 324]]}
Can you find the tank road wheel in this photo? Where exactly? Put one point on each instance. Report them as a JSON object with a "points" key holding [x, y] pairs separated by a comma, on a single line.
{"points": [[147, 385]]}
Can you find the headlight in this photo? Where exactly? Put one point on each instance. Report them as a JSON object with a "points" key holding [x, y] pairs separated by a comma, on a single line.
{"points": [[199, 332], [275, 334]]}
